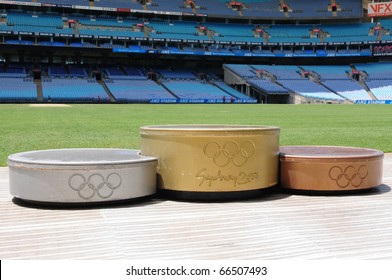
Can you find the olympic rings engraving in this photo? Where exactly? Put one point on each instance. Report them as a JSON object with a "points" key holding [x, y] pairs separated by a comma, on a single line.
{"points": [[95, 184], [230, 152], [350, 175]]}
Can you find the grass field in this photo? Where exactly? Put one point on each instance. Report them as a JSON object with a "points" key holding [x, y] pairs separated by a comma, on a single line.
{"points": [[26, 128]]}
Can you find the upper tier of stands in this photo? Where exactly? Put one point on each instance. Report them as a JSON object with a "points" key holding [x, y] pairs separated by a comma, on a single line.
{"points": [[223, 39], [266, 9]]}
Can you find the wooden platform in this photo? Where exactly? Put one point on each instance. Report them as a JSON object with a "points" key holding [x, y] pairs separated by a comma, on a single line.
{"points": [[276, 226]]}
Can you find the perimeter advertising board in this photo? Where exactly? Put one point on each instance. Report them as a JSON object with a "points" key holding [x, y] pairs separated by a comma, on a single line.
{"points": [[389, 102]]}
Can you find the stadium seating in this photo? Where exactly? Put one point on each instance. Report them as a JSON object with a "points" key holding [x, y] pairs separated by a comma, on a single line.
{"points": [[17, 90], [281, 72], [225, 87], [242, 70], [310, 89], [195, 90], [329, 72], [382, 89], [176, 74], [267, 9], [34, 19], [288, 79], [57, 71], [376, 71], [164, 5], [39, 23], [72, 90], [256, 31], [76, 71], [379, 78], [137, 91], [114, 71], [117, 4], [176, 30], [349, 89], [13, 71], [135, 73], [267, 86], [337, 79]]}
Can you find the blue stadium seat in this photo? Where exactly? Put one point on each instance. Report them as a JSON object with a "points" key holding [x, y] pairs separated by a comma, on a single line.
{"points": [[72, 90], [137, 90], [14, 89]]}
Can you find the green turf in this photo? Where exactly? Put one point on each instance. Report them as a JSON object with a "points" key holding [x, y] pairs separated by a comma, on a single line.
{"points": [[25, 128]]}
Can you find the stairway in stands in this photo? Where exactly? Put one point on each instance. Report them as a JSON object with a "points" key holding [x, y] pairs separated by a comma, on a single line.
{"points": [[40, 95], [105, 87]]}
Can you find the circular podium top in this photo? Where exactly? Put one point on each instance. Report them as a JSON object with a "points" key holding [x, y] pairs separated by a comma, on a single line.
{"points": [[208, 127], [328, 152], [79, 157]]}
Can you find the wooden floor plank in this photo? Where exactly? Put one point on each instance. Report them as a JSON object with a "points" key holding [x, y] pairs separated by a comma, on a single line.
{"points": [[276, 226]]}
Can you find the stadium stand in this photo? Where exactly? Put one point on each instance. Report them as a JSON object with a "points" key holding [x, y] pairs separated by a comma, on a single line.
{"points": [[151, 38], [267, 9], [13, 71], [375, 71], [135, 73], [236, 94], [280, 72], [76, 71], [176, 74], [267, 86], [195, 90], [309, 89], [57, 71], [110, 27], [281, 79], [163, 5], [378, 79], [348, 88], [382, 89], [17, 89], [329, 72], [72, 90], [337, 78], [141, 91], [114, 71], [242, 70]]}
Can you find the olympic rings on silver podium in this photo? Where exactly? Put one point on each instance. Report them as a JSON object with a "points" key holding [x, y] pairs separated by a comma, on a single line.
{"points": [[95, 184]]}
